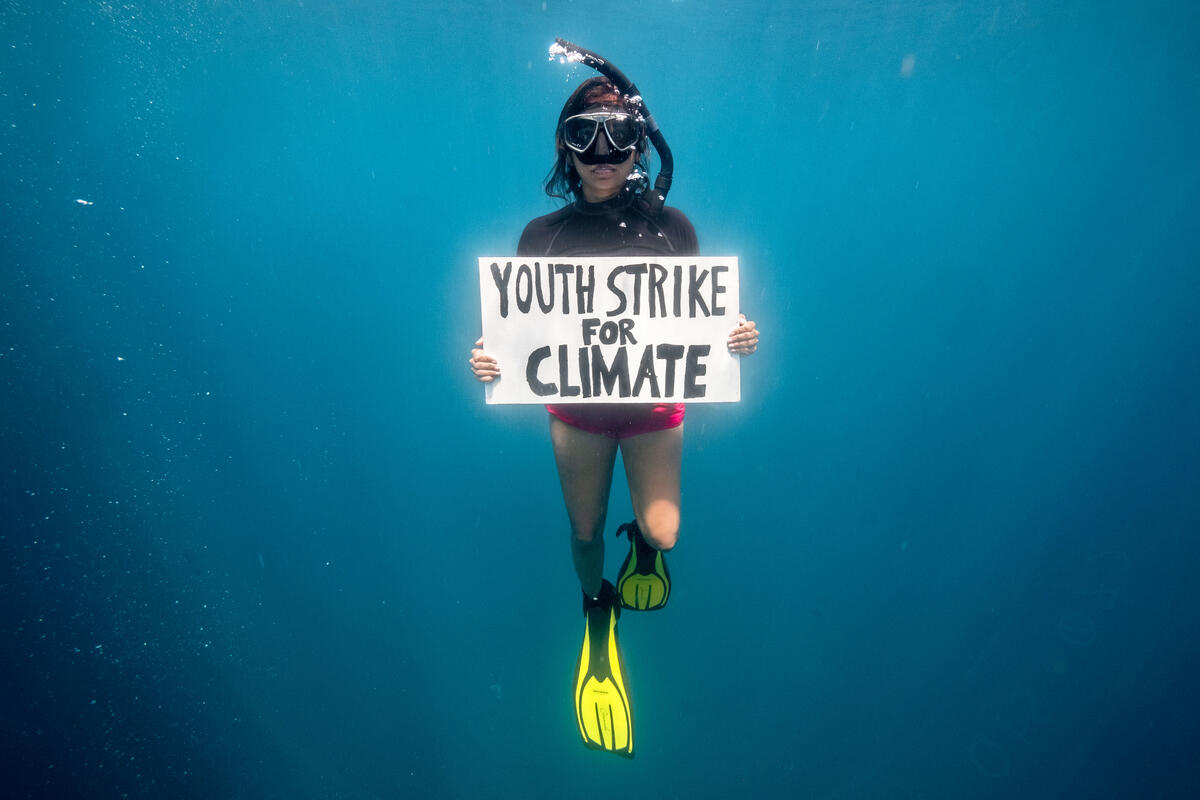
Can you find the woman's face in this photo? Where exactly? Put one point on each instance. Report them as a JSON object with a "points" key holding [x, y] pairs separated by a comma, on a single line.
{"points": [[601, 181]]}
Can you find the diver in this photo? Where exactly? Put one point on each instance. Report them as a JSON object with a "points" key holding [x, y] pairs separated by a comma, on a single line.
{"points": [[601, 154]]}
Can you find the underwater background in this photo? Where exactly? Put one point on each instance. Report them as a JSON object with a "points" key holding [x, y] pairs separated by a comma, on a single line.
{"points": [[260, 537]]}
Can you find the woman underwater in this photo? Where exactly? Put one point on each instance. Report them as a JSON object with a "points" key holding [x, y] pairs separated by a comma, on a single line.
{"points": [[601, 137]]}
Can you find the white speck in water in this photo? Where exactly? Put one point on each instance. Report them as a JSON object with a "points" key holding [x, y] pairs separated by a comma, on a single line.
{"points": [[83, 202]]}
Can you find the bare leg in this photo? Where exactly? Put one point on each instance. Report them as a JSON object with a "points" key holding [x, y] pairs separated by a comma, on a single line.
{"points": [[652, 466], [585, 467]]}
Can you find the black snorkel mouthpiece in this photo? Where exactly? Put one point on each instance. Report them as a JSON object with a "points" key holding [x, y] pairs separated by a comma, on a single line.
{"points": [[656, 196]]}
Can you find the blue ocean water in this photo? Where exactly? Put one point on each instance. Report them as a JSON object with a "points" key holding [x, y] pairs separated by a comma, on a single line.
{"points": [[261, 537]]}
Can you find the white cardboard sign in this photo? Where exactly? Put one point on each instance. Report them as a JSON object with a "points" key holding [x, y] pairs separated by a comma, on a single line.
{"points": [[610, 329]]}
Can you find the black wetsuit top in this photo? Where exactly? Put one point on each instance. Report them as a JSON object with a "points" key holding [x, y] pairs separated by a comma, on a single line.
{"points": [[618, 226]]}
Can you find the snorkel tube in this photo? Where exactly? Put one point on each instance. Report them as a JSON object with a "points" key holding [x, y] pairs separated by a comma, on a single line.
{"points": [[662, 184]]}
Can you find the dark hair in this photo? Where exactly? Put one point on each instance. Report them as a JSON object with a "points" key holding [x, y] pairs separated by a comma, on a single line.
{"points": [[563, 181]]}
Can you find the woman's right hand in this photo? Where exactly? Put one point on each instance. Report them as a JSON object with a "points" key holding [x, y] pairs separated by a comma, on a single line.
{"points": [[484, 366]]}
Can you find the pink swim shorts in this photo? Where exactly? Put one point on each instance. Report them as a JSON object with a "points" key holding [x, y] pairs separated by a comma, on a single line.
{"points": [[620, 420]]}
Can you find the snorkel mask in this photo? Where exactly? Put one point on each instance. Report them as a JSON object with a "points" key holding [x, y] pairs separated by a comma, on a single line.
{"points": [[602, 136]]}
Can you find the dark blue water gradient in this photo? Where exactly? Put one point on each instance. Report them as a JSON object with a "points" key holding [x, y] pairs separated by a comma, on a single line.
{"points": [[261, 537]]}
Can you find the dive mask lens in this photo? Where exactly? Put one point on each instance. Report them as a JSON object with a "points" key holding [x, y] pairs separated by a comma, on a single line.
{"points": [[578, 132], [623, 131]]}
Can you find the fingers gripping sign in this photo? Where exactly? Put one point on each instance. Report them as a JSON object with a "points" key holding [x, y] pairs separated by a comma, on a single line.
{"points": [[485, 367], [743, 340]]}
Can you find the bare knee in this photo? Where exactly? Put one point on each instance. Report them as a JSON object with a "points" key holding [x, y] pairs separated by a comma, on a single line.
{"points": [[583, 537], [661, 531]]}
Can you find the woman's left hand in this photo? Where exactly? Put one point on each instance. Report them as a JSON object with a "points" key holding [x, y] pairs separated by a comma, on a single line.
{"points": [[744, 339]]}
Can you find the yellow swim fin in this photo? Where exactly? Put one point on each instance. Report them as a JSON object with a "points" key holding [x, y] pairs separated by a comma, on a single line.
{"points": [[644, 583], [602, 705]]}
